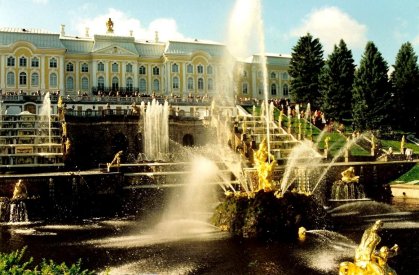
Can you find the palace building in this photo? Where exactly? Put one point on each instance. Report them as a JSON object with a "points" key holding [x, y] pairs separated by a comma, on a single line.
{"points": [[33, 60]]}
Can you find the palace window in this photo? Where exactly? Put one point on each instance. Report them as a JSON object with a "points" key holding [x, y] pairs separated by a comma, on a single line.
{"points": [[273, 89], [23, 62], [285, 90], [84, 83], [115, 84], [53, 80], [143, 85], [156, 70], [175, 83], [200, 83], [189, 69], [128, 68], [70, 83], [142, 70], [115, 67], [100, 67], [35, 79], [84, 68], [285, 76], [175, 68], [22, 78], [10, 61], [53, 63], [244, 88], [190, 83], [101, 83], [200, 69], [35, 62], [209, 69], [70, 67], [156, 85], [273, 75], [10, 79], [130, 84], [244, 74], [210, 84]]}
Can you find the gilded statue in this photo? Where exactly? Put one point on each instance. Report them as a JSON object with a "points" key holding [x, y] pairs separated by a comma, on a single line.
{"points": [[116, 160], [109, 26], [348, 176], [20, 192], [368, 260], [264, 167]]}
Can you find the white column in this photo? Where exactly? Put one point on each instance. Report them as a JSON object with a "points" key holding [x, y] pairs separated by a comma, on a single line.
{"points": [[149, 81], [61, 73], [168, 78], [3, 72], [184, 80], [255, 91], [124, 74], [106, 64], [42, 74], [93, 77], [135, 75], [77, 76]]}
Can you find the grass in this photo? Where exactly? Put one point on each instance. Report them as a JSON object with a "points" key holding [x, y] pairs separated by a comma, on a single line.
{"points": [[411, 175]]}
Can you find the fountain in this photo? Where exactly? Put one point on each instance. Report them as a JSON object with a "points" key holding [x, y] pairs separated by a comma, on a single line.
{"points": [[156, 130], [45, 120]]}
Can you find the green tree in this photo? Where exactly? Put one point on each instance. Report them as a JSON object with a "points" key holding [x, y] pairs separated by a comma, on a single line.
{"points": [[405, 83], [336, 81], [371, 91], [305, 67]]}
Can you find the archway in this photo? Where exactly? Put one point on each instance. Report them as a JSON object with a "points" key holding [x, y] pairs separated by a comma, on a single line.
{"points": [[188, 140]]}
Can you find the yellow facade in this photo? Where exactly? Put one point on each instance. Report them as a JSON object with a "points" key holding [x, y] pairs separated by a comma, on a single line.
{"points": [[32, 61]]}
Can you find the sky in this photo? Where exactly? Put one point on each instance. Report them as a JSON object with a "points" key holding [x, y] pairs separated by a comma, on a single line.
{"points": [[276, 25]]}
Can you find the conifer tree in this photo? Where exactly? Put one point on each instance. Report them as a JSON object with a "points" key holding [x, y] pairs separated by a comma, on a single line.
{"points": [[336, 81], [405, 83], [371, 91], [305, 67]]}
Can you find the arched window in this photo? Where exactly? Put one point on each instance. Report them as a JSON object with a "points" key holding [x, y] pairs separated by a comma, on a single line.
{"points": [[23, 62], [10, 61], [115, 67], [200, 69], [84, 68], [115, 83], [130, 84], [175, 68], [273, 89], [70, 83], [35, 62], [128, 68], [101, 83], [210, 84], [273, 75], [284, 76], [53, 80], [285, 90], [244, 88], [156, 70], [10, 79], [143, 85], [70, 67], [35, 79], [187, 140], [22, 78], [84, 83], [189, 69], [100, 67], [175, 83], [142, 70], [190, 83], [53, 63], [156, 85], [209, 69], [200, 83]]}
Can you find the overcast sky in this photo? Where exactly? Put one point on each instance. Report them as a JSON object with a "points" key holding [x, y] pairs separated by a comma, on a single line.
{"points": [[388, 23]]}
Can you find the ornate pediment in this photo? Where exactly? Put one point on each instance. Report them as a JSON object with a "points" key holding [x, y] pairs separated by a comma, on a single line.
{"points": [[115, 50]]}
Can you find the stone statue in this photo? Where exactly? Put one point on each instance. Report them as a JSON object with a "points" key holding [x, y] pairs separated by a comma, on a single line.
{"points": [[20, 192], [116, 160], [264, 167], [367, 259], [109, 26], [348, 175]]}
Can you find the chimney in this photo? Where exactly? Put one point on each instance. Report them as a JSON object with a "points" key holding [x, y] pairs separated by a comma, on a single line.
{"points": [[156, 36], [131, 32], [62, 30], [87, 32]]}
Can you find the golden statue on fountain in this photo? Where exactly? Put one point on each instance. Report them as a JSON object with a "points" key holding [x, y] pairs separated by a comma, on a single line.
{"points": [[116, 161], [265, 164], [368, 260], [348, 176]]}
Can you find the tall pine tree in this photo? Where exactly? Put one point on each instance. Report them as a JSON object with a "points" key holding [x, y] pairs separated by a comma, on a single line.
{"points": [[336, 81], [371, 91], [305, 67], [405, 83]]}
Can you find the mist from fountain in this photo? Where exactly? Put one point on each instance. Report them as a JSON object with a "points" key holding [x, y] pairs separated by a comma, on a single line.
{"points": [[156, 130], [45, 117]]}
